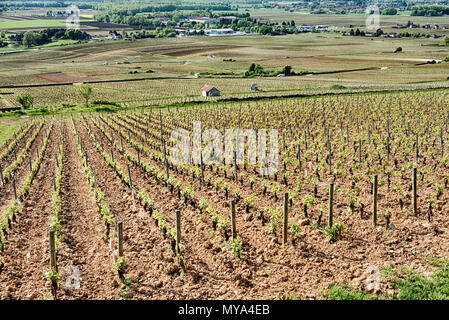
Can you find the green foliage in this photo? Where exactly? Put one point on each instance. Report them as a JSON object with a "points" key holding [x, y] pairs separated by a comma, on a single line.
{"points": [[26, 100], [389, 11], [120, 264], [32, 38], [445, 41], [294, 230], [418, 287], [335, 231], [337, 292], [53, 276], [251, 200], [85, 90], [236, 247], [308, 201]]}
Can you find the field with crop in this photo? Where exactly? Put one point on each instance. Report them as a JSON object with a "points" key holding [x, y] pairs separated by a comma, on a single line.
{"points": [[99, 199], [163, 68], [360, 185]]}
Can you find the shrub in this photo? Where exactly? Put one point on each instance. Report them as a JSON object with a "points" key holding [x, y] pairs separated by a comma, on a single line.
{"points": [[26, 100]]}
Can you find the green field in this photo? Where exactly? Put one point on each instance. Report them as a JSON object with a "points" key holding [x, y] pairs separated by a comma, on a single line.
{"points": [[8, 127], [32, 23]]}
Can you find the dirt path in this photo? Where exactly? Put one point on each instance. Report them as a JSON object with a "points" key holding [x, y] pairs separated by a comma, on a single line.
{"points": [[26, 256], [84, 250]]}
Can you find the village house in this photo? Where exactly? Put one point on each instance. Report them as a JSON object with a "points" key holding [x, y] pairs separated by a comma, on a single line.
{"points": [[114, 35], [212, 32], [209, 91], [204, 20], [226, 19]]}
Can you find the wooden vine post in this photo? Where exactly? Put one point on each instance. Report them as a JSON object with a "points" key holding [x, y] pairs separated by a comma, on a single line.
{"points": [[178, 231], [1, 175], [360, 151], [130, 179], [14, 187], [416, 148], [285, 218], [235, 167], [53, 265], [331, 204], [414, 190], [233, 224], [375, 186], [120, 238], [54, 182]]}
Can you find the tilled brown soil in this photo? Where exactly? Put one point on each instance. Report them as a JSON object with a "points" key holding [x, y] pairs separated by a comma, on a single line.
{"points": [[146, 250], [84, 257], [26, 255], [211, 270], [267, 268], [313, 262]]}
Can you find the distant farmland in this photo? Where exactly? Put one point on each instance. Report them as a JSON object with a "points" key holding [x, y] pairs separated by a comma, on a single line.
{"points": [[35, 23]]}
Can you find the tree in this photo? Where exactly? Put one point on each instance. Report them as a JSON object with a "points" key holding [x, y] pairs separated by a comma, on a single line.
{"points": [[287, 70], [29, 39], [74, 34], [85, 90], [389, 11], [445, 41], [351, 33], [25, 100]]}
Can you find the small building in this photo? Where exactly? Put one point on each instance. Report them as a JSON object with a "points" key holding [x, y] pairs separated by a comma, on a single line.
{"points": [[226, 19], [114, 35], [254, 87], [217, 32], [209, 91]]}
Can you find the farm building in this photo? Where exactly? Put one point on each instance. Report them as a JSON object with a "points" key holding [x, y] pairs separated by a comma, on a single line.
{"points": [[254, 87], [209, 91]]}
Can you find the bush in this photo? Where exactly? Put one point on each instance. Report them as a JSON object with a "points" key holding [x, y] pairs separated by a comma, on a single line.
{"points": [[85, 90], [338, 86], [26, 100]]}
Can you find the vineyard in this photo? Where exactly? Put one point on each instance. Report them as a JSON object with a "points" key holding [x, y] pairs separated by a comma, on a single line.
{"points": [[92, 205]]}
